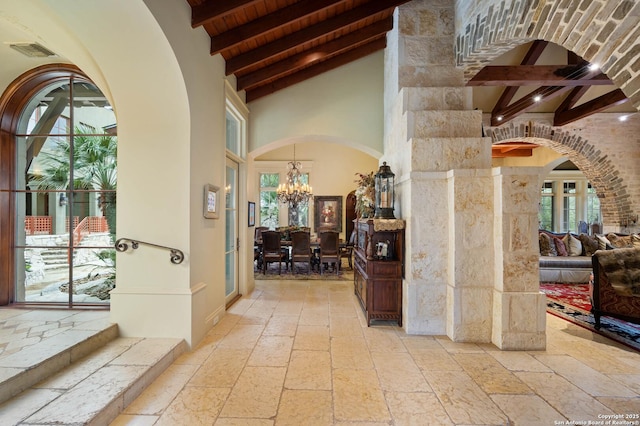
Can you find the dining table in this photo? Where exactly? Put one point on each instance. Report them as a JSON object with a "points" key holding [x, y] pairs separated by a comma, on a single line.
{"points": [[315, 247]]}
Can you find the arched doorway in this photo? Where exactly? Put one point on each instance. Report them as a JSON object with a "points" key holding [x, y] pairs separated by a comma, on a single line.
{"points": [[58, 152]]}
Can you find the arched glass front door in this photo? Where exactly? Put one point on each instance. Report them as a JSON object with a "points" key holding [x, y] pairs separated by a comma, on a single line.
{"points": [[65, 195]]}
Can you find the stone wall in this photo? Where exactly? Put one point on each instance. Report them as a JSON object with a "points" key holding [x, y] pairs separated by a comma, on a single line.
{"points": [[605, 149], [605, 32]]}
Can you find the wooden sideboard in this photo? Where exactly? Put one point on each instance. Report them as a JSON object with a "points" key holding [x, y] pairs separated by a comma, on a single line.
{"points": [[379, 267]]}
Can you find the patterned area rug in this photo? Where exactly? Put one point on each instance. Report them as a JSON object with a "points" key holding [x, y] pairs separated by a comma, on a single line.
{"points": [[571, 302], [300, 273]]}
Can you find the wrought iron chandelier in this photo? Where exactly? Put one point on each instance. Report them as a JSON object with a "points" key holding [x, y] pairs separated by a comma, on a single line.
{"points": [[294, 192]]}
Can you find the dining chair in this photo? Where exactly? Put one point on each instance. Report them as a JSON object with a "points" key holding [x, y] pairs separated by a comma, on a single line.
{"points": [[257, 241], [301, 249], [272, 251], [329, 250], [347, 250]]}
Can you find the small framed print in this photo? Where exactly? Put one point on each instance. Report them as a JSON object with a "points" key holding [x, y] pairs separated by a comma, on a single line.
{"points": [[252, 213], [211, 201]]}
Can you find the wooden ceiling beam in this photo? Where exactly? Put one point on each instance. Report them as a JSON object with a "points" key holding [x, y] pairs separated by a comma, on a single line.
{"points": [[324, 28], [537, 75], [530, 58], [526, 103], [572, 98], [314, 70], [267, 23], [598, 104], [304, 59], [513, 149], [216, 9], [522, 152]]}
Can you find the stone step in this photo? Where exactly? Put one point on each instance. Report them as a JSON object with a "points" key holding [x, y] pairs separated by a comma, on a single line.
{"points": [[85, 374], [30, 365]]}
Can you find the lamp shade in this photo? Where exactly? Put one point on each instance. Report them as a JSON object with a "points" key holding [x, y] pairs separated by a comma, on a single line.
{"points": [[385, 189]]}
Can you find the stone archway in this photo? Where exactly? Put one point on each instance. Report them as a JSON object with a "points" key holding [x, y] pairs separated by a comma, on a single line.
{"points": [[601, 31], [596, 166]]}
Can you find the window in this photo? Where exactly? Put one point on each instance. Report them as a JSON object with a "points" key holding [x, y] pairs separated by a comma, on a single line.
{"points": [[567, 199], [66, 177], [569, 222], [300, 214], [545, 213], [593, 205], [269, 210], [234, 132], [272, 212]]}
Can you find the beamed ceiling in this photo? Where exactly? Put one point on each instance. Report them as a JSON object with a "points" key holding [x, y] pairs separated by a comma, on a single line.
{"points": [[273, 44]]}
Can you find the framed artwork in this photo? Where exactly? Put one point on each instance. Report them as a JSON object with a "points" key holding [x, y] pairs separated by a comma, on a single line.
{"points": [[252, 213], [327, 213], [211, 201]]}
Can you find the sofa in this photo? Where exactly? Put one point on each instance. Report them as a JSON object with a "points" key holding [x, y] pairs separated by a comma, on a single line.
{"points": [[615, 288], [566, 257]]}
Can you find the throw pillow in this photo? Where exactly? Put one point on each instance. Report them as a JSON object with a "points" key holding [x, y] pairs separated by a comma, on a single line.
{"points": [[547, 247], [589, 244], [635, 239], [573, 245], [603, 242], [560, 247], [619, 241]]}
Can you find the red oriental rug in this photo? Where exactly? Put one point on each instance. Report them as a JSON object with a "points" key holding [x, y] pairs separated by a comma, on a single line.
{"points": [[571, 302]]}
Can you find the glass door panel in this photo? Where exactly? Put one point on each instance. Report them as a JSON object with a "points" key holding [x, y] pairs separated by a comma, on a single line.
{"points": [[231, 230]]}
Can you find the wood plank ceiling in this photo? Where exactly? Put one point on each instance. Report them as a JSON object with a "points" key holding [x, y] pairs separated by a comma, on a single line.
{"points": [[272, 44]]}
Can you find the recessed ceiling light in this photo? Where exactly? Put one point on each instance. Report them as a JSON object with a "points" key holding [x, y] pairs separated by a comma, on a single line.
{"points": [[499, 118], [537, 98], [623, 117], [593, 67]]}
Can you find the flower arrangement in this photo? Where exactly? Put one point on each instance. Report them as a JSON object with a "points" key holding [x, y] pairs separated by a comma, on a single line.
{"points": [[365, 194]]}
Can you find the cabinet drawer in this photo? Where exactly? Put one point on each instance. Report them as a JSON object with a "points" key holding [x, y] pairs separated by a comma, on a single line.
{"points": [[388, 269]]}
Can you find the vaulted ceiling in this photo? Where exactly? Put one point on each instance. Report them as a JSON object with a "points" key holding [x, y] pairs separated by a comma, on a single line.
{"points": [[272, 44]]}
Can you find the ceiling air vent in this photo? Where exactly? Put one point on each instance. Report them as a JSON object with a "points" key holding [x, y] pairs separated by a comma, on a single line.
{"points": [[32, 50]]}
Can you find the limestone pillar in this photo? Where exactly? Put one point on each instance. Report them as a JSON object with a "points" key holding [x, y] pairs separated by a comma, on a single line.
{"points": [[519, 307], [434, 144]]}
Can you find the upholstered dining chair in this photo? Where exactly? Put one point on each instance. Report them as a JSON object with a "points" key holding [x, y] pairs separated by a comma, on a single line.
{"points": [[301, 249], [272, 251], [329, 250], [347, 250], [257, 240]]}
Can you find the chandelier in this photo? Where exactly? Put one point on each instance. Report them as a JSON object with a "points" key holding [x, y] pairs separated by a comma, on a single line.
{"points": [[294, 192]]}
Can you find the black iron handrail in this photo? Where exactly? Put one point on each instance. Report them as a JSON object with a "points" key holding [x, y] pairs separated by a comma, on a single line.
{"points": [[177, 256]]}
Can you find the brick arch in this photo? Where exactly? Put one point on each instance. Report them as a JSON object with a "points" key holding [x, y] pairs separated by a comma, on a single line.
{"points": [[598, 168], [601, 31]]}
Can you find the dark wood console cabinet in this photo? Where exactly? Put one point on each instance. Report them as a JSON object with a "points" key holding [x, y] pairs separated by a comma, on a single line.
{"points": [[378, 270]]}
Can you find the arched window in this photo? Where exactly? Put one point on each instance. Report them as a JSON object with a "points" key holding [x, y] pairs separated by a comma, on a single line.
{"points": [[61, 195]]}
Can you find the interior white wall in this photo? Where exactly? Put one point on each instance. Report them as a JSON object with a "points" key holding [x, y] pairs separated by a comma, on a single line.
{"points": [[333, 169], [165, 103], [344, 104], [203, 76]]}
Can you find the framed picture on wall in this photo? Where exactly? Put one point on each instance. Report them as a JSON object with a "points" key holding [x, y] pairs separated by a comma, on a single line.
{"points": [[211, 201], [328, 213], [252, 213]]}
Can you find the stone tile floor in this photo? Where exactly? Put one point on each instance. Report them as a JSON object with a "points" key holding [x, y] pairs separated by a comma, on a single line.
{"points": [[21, 329], [300, 353]]}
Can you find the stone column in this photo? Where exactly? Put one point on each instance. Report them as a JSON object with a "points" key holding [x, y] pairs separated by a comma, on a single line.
{"points": [[434, 144], [519, 308]]}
